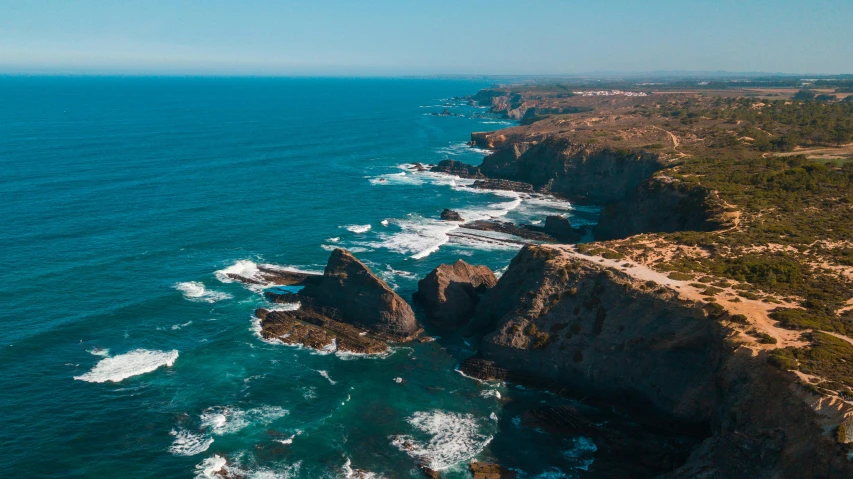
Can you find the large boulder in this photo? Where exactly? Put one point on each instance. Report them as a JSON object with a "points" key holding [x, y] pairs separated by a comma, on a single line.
{"points": [[450, 293], [350, 293], [450, 215]]}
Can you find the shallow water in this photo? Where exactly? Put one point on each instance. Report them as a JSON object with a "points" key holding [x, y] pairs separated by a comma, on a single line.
{"points": [[125, 354]]}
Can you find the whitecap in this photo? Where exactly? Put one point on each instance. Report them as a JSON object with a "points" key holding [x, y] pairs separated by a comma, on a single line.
{"points": [[243, 268], [222, 420], [325, 374], [188, 444], [454, 438], [123, 366], [196, 291], [334, 240], [384, 222], [358, 229], [103, 352], [209, 468]]}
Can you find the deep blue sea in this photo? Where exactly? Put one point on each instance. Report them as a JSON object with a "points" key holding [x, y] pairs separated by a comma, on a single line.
{"points": [[126, 353]]}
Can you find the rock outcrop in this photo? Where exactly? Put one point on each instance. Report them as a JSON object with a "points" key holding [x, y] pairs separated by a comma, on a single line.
{"points": [[348, 292], [458, 168], [576, 171], [505, 185], [450, 215], [571, 324], [560, 228], [661, 205], [311, 329], [450, 293]]}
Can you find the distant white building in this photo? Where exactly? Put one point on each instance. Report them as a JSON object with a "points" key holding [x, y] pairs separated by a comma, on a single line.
{"points": [[610, 93]]}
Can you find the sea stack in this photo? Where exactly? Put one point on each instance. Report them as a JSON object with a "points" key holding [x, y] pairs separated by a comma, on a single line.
{"points": [[350, 293], [450, 293]]}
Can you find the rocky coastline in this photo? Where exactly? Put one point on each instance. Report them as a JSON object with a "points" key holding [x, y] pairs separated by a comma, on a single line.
{"points": [[588, 323]]}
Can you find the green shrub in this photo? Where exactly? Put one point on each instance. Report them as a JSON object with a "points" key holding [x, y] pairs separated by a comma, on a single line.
{"points": [[677, 276]]}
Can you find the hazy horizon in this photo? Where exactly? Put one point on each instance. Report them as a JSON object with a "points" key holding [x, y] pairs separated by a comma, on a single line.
{"points": [[387, 39]]}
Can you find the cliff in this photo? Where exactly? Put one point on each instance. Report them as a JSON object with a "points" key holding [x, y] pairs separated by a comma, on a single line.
{"points": [[570, 323]]}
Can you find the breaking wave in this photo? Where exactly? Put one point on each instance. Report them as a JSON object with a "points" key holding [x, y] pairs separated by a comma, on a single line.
{"points": [[221, 420], [453, 439], [188, 444], [123, 366], [195, 291]]}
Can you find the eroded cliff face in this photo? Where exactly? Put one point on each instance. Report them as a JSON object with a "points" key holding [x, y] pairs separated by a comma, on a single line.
{"points": [[637, 193], [661, 205], [571, 323], [577, 171], [558, 320]]}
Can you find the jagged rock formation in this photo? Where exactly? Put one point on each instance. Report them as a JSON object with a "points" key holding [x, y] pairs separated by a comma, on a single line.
{"points": [[563, 322], [450, 215], [348, 292], [450, 293], [503, 185], [458, 168], [267, 275], [313, 330]]}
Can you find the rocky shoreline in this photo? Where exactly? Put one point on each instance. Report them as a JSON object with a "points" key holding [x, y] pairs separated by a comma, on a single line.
{"points": [[590, 325]]}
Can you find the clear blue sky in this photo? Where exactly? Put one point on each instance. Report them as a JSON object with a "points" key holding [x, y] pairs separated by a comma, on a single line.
{"points": [[364, 37]]}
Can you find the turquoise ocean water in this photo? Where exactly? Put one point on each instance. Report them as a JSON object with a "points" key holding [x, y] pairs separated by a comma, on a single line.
{"points": [[125, 354]]}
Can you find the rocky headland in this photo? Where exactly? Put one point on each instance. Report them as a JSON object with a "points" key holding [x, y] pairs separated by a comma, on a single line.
{"points": [[699, 305]]}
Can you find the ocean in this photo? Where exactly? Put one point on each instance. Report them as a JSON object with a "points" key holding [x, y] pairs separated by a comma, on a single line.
{"points": [[127, 353]]}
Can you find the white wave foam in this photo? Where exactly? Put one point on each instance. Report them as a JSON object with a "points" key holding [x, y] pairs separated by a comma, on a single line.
{"points": [[123, 366], [358, 229], [216, 467], [453, 438], [222, 420], [285, 307], [103, 352], [209, 468], [188, 444], [334, 240], [195, 291], [244, 268], [350, 473], [325, 374]]}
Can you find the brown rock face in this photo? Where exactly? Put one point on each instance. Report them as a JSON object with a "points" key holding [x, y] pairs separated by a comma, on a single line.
{"points": [[450, 215], [557, 320], [349, 292], [313, 330], [450, 293], [482, 470]]}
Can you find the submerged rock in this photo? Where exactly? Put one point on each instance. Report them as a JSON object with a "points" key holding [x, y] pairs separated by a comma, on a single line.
{"points": [[267, 275], [450, 215], [350, 293], [482, 470], [450, 293]]}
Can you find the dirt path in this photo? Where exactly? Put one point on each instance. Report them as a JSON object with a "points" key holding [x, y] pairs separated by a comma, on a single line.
{"points": [[671, 135], [757, 312]]}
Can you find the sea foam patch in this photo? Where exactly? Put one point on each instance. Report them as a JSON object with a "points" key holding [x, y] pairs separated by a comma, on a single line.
{"points": [[123, 366], [358, 229], [453, 439], [196, 291], [221, 420], [187, 443]]}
